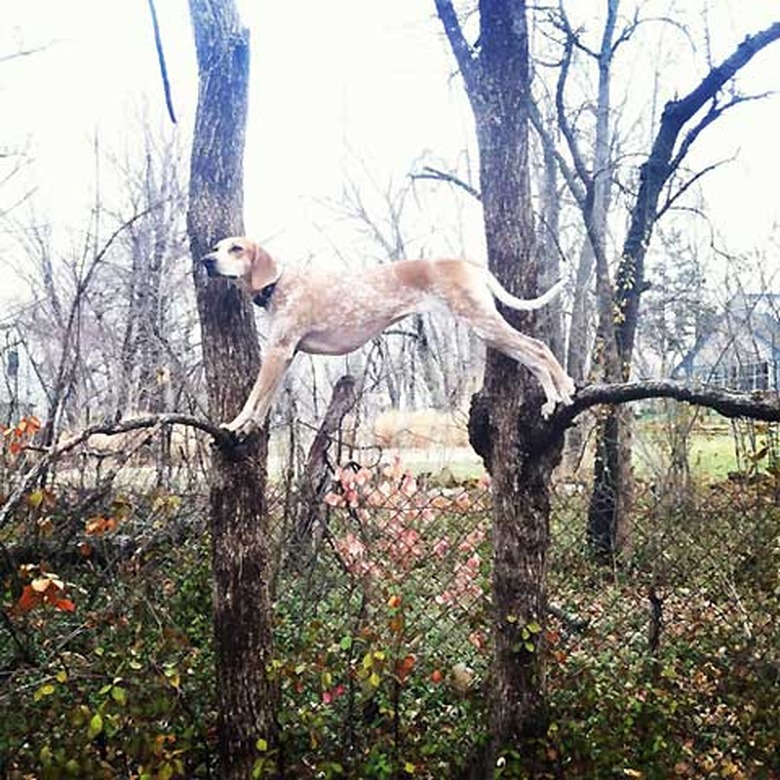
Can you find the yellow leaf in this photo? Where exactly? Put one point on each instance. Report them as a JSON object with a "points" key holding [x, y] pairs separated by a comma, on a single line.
{"points": [[45, 690], [374, 679], [35, 499]]}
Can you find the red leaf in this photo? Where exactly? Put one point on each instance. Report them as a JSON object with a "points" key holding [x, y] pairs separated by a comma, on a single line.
{"points": [[66, 605], [28, 600]]}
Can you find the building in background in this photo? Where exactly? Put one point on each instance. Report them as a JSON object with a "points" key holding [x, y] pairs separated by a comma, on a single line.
{"points": [[741, 351]]}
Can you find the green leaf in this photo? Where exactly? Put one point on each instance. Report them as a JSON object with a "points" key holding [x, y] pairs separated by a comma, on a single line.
{"points": [[119, 695], [262, 745], [45, 756], [166, 771], [345, 643], [95, 725], [534, 627]]}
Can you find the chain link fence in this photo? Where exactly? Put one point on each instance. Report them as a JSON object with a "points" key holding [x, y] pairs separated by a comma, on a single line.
{"points": [[666, 664]]}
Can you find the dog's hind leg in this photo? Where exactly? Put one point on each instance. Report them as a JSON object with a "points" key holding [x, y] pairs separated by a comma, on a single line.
{"points": [[496, 332]]}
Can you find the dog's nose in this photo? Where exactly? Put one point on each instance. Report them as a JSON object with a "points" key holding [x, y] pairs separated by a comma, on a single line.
{"points": [[210, 264]]}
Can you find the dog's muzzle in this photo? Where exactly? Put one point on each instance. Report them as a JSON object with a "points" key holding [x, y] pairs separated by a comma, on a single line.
{"points": [[210, 264]]}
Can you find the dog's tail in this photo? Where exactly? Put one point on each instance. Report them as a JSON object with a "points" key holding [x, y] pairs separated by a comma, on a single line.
{"points": [[522, 304]]}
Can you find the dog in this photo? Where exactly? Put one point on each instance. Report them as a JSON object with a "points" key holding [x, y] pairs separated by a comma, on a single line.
{"points": [[326, 312]]}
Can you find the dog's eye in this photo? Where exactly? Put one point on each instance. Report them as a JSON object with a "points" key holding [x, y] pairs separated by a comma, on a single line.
{"points": [[235, 248]]}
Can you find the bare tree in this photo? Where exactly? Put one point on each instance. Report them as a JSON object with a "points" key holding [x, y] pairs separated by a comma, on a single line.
{"points": [[504, 427], [506, 412], [246, 695], [661, 184], [153, 244]]}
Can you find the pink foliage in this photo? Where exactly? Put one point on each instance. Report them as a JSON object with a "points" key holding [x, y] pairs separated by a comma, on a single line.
{"points": [[395, 513]]}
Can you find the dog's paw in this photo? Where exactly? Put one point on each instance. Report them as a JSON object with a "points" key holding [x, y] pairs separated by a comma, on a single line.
{"points": [[548, 407], [568, 390], [240, 430]]}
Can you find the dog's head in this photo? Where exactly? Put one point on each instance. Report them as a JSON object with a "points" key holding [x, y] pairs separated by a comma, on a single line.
{"points": [[243, 259]]}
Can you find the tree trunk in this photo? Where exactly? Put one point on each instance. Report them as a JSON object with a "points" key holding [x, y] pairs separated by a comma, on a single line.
{"points": [[246, 697], [318, 473], [505, 414]]}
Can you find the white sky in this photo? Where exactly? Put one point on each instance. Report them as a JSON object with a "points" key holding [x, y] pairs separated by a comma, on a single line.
{"points": [[331, 82]]}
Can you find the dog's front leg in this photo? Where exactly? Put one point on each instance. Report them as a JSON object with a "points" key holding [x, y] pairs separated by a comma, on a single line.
{"points": [[275, 363]]}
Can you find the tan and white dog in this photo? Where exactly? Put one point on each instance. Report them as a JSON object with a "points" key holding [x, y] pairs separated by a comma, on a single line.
{"points": [[325, 312]]}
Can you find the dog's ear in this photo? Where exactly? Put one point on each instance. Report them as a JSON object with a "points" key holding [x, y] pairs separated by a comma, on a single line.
{"points": [[263, 269]]}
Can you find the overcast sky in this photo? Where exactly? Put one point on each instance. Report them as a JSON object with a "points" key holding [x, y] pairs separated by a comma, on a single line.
{"points": [[331, 83]]}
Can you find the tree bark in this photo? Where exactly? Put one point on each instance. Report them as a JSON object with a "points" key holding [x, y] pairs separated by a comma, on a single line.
{"points": [[247, 698], [505, 414], [318, 473]]}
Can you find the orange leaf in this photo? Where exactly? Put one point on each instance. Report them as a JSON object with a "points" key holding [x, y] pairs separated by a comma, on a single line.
{"points": [[97, 526], [404, 667], [28, 600]]}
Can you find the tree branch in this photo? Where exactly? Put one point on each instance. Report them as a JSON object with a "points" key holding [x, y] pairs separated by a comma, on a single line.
{"points": [[572, 182], [460, 47], [434, 173], [161, 59], [714, 112], [566, 128], [673, 197], [221, 436], [754, 406], [685, 108]]}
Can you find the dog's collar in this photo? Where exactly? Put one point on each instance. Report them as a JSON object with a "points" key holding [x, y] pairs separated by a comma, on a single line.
{"points": [[263, 298]]}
